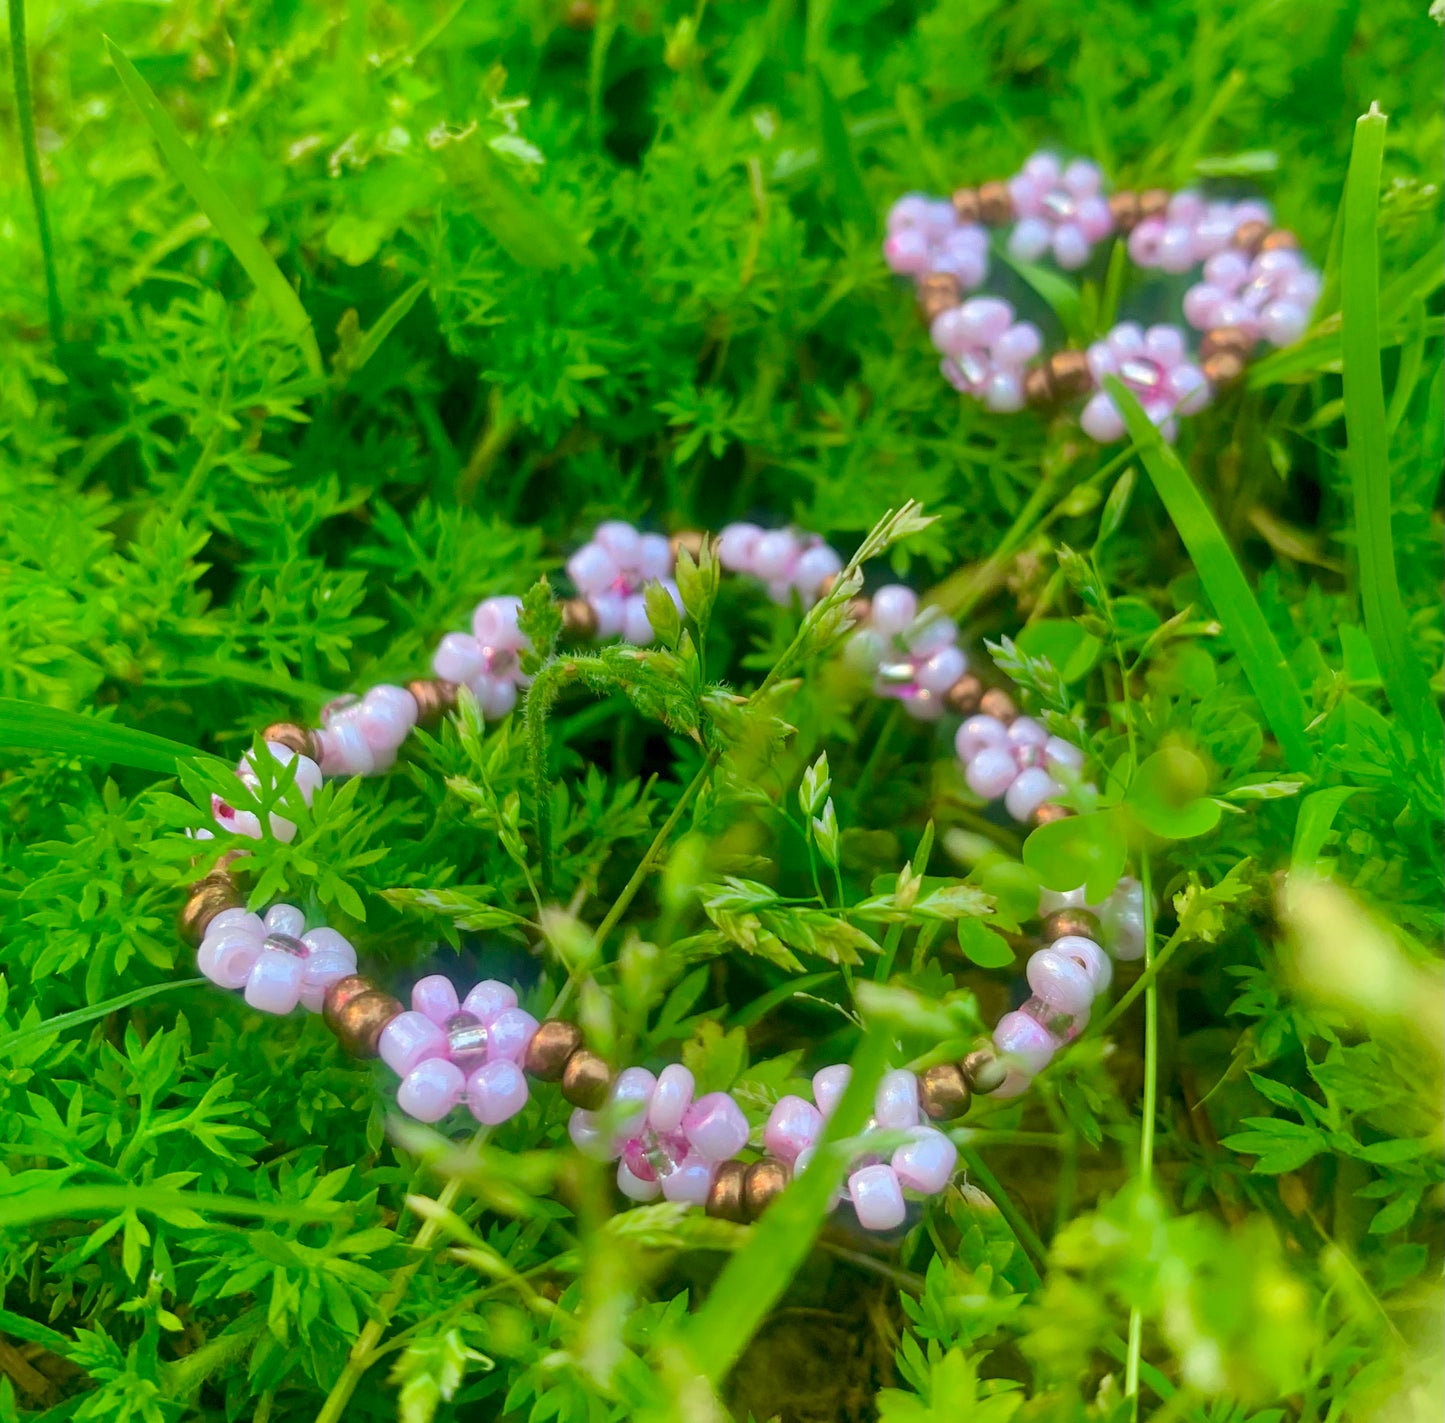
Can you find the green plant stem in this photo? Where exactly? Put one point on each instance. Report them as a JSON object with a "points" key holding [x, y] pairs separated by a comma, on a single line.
{"points": [[1146, 1129], [25, 104], [1031, 1248]]}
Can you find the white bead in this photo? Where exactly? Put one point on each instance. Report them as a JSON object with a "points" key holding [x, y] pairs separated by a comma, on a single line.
{"points": [[894, 608], [620, 539], [895, 1104], [1029, 790]]}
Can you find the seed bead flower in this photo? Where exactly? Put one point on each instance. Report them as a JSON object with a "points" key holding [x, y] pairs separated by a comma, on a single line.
{"points": [[1060, 210], [1155, 367]]}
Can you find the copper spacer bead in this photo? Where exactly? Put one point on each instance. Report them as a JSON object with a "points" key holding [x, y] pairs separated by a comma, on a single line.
{"points": [[1234, 339], [1070, 373], [725, 1198], [1049, 812], [860, 609], [984, 1071], [943, 1092], [995, 203], [1039, 389], [965, 694], [1222, 368], [1063, 923], [1249, 236], [689, 539], [434, 698], [997, 703], [965, 204], [938, 292], [579, 620], [1153, 202], [294, 738], [356, 1011], [586, 1080], [1280, 240], [208, 898], [762, 1183], [551, 1046], [1124, 209]]}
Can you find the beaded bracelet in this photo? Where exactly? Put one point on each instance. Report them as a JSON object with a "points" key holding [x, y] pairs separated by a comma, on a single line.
{"points": [[1254, 286], [480, 1048]]}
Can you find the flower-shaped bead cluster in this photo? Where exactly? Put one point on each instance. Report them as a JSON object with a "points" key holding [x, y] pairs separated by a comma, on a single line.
{"points": [[276, 959], [447, 1050], [925, 235], [489, 659], [665, 1140], [1155, 366], [1269, 296], [1019, 761], [1058, 209], [788, 562], [246, 822], [985, 351], [913, 658], [360, 736], [1189, 231], [611, 571]]}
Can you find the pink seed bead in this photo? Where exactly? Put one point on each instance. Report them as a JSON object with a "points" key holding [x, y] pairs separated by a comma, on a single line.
{"points": [[1015, 1084], [496, 1092], [774, 554], [877, 1197], [285, 919], [435, 996], [1090, 957], [509, 1035], [991, 772], [228, 957], [488, 999], [431, 1089], [587, 1136], [690, 1183], [1026, 1039], [793, 1125], [942, 670], [1029, 791], [654, 557], [635, 625], [715, 1127], [409, 1038], [274, 985], [1025, 731], [926, 1163], [894, 607], [829, 1084], [634, 1187], [1060, 754], [320, 969], [895, 1105], [1101, 420], [1060, 981], [592, 568], [229, 919], [1071, 247], [736, 544], [628, 1102], [458, 658], [670, 1098], [976, 733], [494, 624], [816, 564]]}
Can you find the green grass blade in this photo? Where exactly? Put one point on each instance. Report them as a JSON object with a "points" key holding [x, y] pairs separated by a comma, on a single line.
{"points": [[83, 1201], [757, 1275], [386, 323], [225, 217], [25, 104], [1368, 452], [28, 726], [62, 1021], [1259, 652]]}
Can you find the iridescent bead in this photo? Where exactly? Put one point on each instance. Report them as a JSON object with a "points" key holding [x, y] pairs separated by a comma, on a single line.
{"points": [[587, 1135], [926, 1162], [690, 1182], [488, 999], [877, 1198], [792, 1126], [894, 608], [1060, 981], [274, 983], [895, 1104], [1090, 956], [976, 733], [829, 1084], [1028, 791], [329, 958], [670, 1098], [436, 997], [1026, 1040], [431, 1089], [496, 1092], [509, 1035], [285, 919], [634, 1187], [409, 1038], [628, 1101], [990, 772], [467, 1041], [736, 546], [715, 1127]]}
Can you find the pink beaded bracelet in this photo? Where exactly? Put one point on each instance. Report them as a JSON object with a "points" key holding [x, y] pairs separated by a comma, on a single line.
{"points": [[1254, 285], [478, 1049]]}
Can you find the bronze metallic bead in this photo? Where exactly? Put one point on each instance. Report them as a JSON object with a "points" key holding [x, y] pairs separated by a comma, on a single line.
{"points": [[1222, 368], [586, 1080], [943, 1092], [995, 204], [827, 585], [965, 694], [208, 897], [1280, 240], [938, 292], [725, 1199], [1233, 339], [997, 703], [984, 1070], [1039, 389], [689, 539], [357, 1018], [1049, 812], [293, 738], [1250, 236], [552, 1044], [762, 1183], [579, 621], [1063, 923], [434, 698], [1153, 202], [965, 204], [860, 609], [340, 993], [1069, 371], [1124, 209]]}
